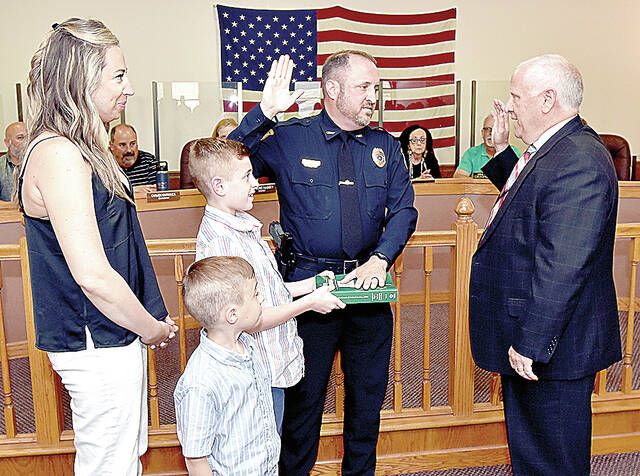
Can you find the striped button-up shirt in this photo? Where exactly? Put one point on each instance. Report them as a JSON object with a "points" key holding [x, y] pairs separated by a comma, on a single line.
{"points": [[224, 410], [223, 234]]}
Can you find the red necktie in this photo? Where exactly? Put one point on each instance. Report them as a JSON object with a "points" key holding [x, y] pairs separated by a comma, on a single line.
{"points": [[507, 186]]}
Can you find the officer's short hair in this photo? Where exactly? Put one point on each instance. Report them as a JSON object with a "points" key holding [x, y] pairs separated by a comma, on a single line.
{"points": [[210, 157], [212, 283], [336, 64]]}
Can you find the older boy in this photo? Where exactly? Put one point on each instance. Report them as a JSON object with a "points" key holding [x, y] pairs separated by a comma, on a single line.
{"points": [[223, 399], [222, 171]]}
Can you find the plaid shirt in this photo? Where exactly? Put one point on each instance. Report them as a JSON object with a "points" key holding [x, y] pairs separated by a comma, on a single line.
{"points": [[223, 234], [224, 410]]}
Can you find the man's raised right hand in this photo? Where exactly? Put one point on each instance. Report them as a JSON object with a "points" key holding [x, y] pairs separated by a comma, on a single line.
{"points": [[276, 96]]}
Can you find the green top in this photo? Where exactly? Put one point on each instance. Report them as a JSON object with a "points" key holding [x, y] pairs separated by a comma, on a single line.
{"points": [[476, 157]]}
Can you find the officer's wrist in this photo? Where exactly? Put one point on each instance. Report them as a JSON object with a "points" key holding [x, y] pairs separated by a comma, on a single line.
{"points": [[382, 257], [269, 113]]}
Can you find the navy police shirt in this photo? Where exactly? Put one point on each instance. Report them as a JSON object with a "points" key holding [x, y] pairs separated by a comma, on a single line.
{"points": [[302, 156]]}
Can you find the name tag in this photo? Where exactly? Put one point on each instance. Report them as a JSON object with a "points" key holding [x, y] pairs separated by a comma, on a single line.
{"points": [[311, 163]]}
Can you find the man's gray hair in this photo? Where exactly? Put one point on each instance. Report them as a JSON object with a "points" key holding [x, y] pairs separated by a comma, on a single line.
{"points": [[556, 72]]}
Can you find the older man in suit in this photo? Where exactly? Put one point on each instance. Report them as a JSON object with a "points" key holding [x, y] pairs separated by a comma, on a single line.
{"points": [[543, 308]]}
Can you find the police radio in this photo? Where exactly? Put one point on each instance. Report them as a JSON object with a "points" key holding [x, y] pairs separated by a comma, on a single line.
{"points": [[284, 247]]}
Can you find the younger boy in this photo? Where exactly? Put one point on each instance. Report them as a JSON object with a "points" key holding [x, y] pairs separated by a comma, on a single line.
{"points": [[222, 171], [223, 399]]}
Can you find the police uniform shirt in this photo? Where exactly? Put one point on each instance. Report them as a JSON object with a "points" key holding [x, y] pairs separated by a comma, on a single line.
{"points": [[302, 156]]}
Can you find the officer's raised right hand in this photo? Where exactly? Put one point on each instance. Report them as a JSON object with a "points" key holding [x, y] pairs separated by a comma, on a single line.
{"points": [[276, 96]]}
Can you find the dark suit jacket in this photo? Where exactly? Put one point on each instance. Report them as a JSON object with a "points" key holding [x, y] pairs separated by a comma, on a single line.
{"points": [[542, 277]]}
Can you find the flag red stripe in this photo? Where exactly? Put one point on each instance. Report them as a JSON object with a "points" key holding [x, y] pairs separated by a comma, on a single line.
{"points": [[410, 104], [382, 40], [431, 123], [383, 19], [402, 62], [444, 142]]}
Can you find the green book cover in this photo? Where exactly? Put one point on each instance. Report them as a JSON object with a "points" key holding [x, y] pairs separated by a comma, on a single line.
{"points": [[348, 294]]}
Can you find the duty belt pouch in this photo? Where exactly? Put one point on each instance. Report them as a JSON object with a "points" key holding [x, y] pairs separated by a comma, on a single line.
{"points": [[284, 248]]}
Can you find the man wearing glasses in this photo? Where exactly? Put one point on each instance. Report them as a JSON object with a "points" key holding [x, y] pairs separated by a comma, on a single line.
{"points": [[477, 157]]}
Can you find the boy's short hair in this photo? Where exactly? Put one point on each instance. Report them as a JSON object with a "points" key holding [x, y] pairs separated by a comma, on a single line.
{"points": [[212, 283], [210, 157]]}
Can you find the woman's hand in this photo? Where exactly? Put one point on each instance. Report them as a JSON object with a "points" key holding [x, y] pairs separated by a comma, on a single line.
{"points": [[160, 334]]}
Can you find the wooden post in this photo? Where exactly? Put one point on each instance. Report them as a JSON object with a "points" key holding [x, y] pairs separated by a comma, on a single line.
{"points": [[47, 406], [461, 366], [182, 329], [7, 401], [397, 341], [426, 330], [339, 376], [154, 408], [627, 369]]}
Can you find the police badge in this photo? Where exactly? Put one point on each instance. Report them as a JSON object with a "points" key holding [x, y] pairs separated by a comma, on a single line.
{"points": [[377, 154]]}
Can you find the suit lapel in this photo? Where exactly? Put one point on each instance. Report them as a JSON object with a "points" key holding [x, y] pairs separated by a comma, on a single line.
{"points": [[568, 128]]}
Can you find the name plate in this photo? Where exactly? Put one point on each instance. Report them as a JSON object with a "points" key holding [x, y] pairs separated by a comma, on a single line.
{"points": [[166, 196]]}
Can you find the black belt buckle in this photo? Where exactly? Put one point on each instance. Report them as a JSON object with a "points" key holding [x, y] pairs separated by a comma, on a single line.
{"points": [[349, 265]]}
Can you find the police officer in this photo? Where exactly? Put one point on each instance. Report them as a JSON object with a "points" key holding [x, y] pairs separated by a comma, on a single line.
{"points": [[346, 198]]}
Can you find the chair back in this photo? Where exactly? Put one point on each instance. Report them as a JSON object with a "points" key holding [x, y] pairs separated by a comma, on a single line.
{"points": [[620, 153]]}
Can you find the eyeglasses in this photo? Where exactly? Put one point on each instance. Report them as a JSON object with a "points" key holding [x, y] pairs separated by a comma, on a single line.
{"points": [[487, 129], [418, 140]]}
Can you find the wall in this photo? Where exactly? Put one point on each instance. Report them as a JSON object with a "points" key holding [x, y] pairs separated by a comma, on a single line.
{"points": [[170, 40]]}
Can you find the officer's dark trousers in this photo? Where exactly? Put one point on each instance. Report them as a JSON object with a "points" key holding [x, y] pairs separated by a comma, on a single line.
{"points": [[548, 425], [363, 334]]}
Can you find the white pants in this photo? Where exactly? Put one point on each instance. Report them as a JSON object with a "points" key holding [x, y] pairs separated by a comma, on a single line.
{"points": [[108, 389]]}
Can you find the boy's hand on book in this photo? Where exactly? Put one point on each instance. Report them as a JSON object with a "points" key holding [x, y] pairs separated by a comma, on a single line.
{"points": [[370, 275], [323, 302], [330, 280]]}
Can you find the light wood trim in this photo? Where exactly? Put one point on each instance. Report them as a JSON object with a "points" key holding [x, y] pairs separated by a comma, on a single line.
{"points": [[46, 396], [182, 331], [627, 368], [154, 407], [461, 364], [397, 342], [339, 390], [7, 398], [426, 330], [9, 252]]}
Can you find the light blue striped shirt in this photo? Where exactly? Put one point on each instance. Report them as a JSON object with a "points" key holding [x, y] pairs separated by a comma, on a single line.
{"points": [[224, 410], [224, 234]]}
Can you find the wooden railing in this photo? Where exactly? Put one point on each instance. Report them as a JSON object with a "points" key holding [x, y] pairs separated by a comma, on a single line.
{"points": [[459, 433]]}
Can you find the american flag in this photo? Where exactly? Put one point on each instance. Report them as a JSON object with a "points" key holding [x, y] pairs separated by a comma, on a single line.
{"points": [[414, 52]]}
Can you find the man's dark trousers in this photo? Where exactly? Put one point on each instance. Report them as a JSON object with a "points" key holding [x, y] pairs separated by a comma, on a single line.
{"points": [[363, 334]]}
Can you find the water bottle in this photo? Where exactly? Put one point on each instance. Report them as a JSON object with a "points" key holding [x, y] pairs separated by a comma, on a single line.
{"points": [[162, 176]]}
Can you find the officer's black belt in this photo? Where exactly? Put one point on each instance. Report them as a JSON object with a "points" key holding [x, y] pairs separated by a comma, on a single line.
{"points": [[338, 266]]}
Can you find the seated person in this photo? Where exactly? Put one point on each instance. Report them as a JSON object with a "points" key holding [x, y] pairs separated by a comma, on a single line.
{"points": [[15, 139], [140, 166], [224, 127], [417, 147], [222, 172], [477, 157], [223, 399]]}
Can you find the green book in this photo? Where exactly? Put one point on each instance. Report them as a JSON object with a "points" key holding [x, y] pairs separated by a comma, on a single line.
{"points": [[348, 294]]}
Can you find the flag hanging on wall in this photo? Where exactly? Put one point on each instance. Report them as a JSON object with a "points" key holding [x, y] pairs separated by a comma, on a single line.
{"points": [[414, 52]]}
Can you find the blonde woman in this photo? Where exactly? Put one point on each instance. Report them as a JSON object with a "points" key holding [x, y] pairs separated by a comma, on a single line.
{"points": [[94, 289], [224, 127]]}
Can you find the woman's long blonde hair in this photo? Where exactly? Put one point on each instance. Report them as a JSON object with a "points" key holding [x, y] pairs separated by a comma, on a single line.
{"points": [[65, 72]]}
